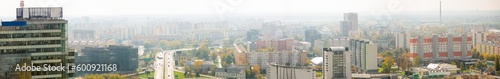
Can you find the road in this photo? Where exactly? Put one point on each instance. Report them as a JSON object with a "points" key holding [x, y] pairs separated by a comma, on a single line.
{"points": [[159, 66], [161, 62]]}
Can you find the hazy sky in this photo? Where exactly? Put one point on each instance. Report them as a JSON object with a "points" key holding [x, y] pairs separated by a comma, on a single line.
{"points": [[145, 7]]}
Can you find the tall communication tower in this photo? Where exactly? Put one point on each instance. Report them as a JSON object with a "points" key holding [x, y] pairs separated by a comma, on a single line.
{"points": [[440, 17]]}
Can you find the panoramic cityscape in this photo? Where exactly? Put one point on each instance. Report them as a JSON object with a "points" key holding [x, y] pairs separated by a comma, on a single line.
{"points": [[249, 39]]}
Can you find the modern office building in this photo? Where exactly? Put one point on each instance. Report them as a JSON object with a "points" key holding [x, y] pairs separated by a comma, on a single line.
{"points": [[125, 57], [288, 72], [441, 47], [336, 63], [38, 36], [363, 53]]}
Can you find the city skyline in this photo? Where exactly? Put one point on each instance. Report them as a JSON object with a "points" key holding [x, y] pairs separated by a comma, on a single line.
{"points": [[222, 7]]}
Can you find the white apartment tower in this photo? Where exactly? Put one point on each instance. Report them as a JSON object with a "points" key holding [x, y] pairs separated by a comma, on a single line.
{"points": [[363, 53], [336, 63]]}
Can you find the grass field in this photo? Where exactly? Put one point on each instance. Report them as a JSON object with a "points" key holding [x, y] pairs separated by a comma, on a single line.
{"points": [[179, 75]]}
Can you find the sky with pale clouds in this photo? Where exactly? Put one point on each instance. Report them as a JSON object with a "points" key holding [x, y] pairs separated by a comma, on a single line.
{"points": [[173, 7]]}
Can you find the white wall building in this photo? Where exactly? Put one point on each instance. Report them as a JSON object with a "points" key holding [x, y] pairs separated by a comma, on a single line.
{"points": [[363, 53], [287, 72], [281, 57], [336, 63]]}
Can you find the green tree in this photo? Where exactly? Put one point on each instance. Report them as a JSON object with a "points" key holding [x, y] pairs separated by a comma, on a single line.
{"points": [[148, 44], [388, 53], [497, 63], [387, 64], [417, 62], [256, 70], [479, 64], [197, 65], [453, 63], [197, 74], [403, 61], [471, 67]]}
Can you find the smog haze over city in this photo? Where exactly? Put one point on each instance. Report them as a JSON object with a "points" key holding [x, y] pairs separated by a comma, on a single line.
{"points": [[249, 39]]}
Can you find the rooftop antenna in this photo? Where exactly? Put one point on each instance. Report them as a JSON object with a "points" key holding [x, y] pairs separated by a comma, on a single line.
{"points": [[22, 4]]}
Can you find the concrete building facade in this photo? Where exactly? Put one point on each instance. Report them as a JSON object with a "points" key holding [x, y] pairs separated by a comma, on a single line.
{"points": [[287, 72], [336, 63], [363, 53], [263, 59], [230, 73], [441, 47], [39, 39]]}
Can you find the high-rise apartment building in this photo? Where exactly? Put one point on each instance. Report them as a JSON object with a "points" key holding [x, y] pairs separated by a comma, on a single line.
{"points": [[363, 53], [490, 47], [336, 63], [441, 47], [349, 27], [402, 40], [278, 45], [38, 36], [345, 27], [84, 35], [353, 19]]}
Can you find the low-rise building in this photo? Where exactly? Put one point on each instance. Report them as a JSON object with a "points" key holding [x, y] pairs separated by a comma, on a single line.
{"points": [[262, 59], [435, 69], [288, 72], [230, 73]]}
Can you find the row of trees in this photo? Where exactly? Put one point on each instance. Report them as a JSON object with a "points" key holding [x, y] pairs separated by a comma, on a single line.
{"points": [[482, 63], [403, 60]]}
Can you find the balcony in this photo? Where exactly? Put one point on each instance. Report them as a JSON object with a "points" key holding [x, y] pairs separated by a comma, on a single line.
{"points": [[29, 31], [47, 53], [31, 46]]}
